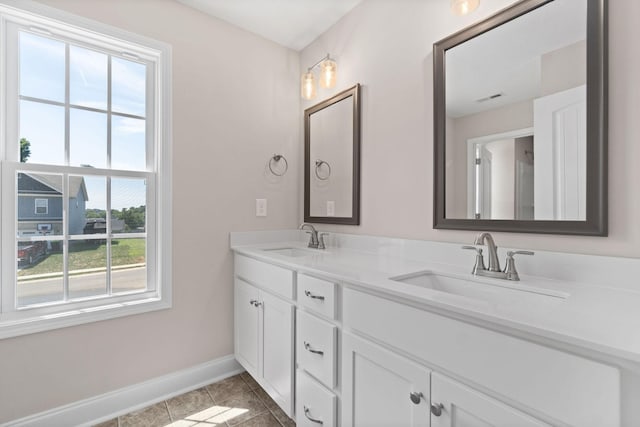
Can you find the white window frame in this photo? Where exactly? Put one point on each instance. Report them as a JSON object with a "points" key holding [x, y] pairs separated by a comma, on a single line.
{"points": [[45, 205], [37, 17]]}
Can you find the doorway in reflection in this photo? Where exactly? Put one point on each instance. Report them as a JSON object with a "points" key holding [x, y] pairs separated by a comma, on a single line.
{"points": [[501, 172]]}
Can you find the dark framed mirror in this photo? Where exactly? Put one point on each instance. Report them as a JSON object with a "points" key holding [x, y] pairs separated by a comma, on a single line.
{"points": [[520, 121], [332, 159]]}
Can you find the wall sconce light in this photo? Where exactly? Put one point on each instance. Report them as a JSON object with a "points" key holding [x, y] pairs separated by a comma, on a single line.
{"points": [[462, 7], [328, 69]]}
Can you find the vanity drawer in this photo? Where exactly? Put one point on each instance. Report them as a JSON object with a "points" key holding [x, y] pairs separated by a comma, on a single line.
{"points": [[315, 405], [271, 277], [317, 295], [561, 385], [316, 347]]}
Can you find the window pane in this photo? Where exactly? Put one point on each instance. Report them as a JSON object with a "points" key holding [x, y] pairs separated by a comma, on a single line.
{"points": [[128, 86], [88, 139], [87, 268], [128, 260], [42, 126], [87, 204], [39, 272], [41, 67], [39, 204], [128, 205], [128, 143], [87, 77]]}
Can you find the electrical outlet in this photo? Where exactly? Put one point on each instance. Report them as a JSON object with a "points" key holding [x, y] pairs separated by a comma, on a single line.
{"points": [[331, 208], [261, 207]]}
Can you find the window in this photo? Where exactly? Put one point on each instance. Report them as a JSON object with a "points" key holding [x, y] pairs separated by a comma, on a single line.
{"points": [[42, 206], [87, 142]]}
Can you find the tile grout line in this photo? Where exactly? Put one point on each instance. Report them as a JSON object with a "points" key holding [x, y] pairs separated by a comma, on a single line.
{"points": [[166, 406], [263, 402]]}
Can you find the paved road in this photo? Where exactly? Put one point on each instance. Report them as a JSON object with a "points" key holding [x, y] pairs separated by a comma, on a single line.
{"points": [[49, 290]]}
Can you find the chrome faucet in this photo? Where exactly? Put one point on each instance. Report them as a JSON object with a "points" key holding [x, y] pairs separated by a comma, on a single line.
{"points": [[313, 241], [509, 272], [494, 262]]}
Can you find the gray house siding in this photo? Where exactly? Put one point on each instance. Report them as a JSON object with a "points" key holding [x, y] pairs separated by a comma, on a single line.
{"points": [[77, 214], [27, 208], [49, 187]]}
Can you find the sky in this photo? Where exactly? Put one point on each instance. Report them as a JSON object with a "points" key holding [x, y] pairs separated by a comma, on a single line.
{"points": [[42, 76]]}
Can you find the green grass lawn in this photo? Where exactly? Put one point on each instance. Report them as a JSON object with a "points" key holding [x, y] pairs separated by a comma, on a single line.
{"points": [[84, 255]]}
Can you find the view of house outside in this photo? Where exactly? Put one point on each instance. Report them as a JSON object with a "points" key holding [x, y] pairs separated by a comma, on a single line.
{"points": [[96, 265]]}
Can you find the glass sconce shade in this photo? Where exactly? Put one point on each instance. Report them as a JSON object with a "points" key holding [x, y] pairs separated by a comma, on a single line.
{"points": [[328, 69], [462, 7], [308, 85]]}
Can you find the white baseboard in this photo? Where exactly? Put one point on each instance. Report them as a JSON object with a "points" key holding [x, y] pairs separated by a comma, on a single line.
{"points": [[119, 402]]}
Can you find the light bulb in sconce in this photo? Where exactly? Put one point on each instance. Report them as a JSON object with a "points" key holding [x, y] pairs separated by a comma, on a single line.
{"points": [[328, 69], [308, 85], [462, 7]]}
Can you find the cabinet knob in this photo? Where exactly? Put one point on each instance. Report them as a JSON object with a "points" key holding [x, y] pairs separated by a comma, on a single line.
{"points": [[436, 409], [258, 304], [253, 302], [310, 418], [416, 397]]}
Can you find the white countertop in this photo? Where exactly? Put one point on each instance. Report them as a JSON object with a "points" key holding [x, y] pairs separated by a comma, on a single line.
{"points": [[594, 317]]}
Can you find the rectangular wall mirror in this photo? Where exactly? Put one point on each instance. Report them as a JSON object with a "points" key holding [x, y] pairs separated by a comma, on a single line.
{"points": [[332, 160], [521, 121]]}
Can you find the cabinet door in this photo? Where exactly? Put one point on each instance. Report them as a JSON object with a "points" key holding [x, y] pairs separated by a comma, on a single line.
{"points": [[465, 407], [277, 345], [246, 325], [381, 388]]}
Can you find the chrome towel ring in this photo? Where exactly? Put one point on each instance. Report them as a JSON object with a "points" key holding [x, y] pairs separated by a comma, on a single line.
{"points": [[323, 176], [275, 161]]}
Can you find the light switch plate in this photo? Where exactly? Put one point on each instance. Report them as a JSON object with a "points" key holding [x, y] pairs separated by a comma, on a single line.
{"points": [[261, 207], [331, 208]]}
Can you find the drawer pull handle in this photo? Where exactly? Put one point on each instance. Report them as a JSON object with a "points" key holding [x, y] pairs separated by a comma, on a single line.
{"points": [[307, 346], [416, 397], [310, 418], [436, 409], [310, 295]]}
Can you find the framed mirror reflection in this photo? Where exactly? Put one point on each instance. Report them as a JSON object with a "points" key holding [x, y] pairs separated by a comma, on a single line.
{"points": [[332, 159], [520, 121]]}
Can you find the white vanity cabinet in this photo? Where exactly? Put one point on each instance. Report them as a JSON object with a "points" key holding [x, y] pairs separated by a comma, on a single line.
{"points": [[456, 405], [264, 327], [316, 352], [381, 388], [359, 357], [534, 379]]}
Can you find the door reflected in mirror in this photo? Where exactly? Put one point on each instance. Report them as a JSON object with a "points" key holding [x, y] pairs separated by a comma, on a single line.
{"points": [[332, 159]]}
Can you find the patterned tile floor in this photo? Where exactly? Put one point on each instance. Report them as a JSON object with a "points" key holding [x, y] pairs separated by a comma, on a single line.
{"points": [[234, 402]]}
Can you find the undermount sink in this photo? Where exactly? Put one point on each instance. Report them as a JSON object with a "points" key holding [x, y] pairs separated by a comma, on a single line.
{"points": [[474, 287], [290, 252]]}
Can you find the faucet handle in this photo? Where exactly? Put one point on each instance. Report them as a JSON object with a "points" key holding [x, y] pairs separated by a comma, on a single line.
{"points": [[510, 268], [512, 253], [313, 239], [321, 244], [479, 265]]}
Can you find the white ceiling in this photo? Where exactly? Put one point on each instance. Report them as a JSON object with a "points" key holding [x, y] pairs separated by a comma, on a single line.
{"points": [[291, 23], [507, 59]]}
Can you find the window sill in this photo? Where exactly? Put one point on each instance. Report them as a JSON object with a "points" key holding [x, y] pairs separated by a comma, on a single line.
{"points": [[41, 323]]}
